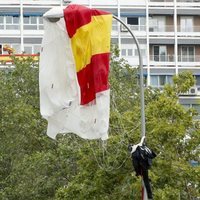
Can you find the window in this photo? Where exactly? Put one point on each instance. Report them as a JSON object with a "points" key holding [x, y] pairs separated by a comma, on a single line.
{"points": [[26, 20], [135, 23], [36, 49], [28, 49], [15, 20], [1, 19], [160, 80], [16, 48], [114, 25], [40, 20], [160, 53], [30, 23], [142, 22], [154, 81], [11, 22], [8, 19], [186, 24], [41, 26], [123, 52], [1, 22], [1, 50], [127, 52], [143, 52], [132, 20], [197, 80], [33, 20], [33, 23], [187, 54], [130, 52], [157, 24]]}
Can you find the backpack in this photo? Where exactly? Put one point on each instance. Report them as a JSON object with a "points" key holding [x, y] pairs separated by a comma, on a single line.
{"points": [[145, 156]]}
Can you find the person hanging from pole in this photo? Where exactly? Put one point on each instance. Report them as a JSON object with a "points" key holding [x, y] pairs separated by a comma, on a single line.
{"points": [[142, 157]]}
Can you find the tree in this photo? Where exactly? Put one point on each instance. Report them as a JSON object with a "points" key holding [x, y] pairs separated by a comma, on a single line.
{"points": [[23, 143], [171, 132], [35, 167]]}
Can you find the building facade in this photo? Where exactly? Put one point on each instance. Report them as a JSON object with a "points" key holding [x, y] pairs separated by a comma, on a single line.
{"points": [[168, 32]]}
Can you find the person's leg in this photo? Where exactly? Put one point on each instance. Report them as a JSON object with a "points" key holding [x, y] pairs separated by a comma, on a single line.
{"points": [[147, 184]]}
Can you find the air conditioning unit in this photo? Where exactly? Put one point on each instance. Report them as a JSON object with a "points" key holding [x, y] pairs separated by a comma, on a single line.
{"points": [[193, 91], [151, 29], [123, 28]]}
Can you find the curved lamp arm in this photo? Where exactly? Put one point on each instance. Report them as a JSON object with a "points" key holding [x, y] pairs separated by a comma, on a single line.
{"points": [[141, 77]]}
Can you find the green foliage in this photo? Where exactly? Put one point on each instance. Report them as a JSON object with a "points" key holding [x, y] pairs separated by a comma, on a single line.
{"points": [[34, 167], [183, 81]]}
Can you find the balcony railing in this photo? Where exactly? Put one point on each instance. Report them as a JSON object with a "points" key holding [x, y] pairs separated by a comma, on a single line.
{"points": [[189, 58], [17, 27], [167, 28], [171, 58], [137, 28], [188, 29], [181, 1], [161, 0], [188, 1], [132, 27], [162, 58], [33, 2], [9, 27]]}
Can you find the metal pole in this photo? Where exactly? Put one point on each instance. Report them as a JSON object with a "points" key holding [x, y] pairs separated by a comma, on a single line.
{"points": [[22, 26], [141, 76], [144, 195]]}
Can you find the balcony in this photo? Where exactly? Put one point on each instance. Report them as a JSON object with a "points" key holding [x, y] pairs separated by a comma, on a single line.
{"points": [[188, 1], [171, 58], [161, 1], [162, 58], [139, 30], [133, 28], [31, 2], [188, 58], [167, 28], [188, 31]]}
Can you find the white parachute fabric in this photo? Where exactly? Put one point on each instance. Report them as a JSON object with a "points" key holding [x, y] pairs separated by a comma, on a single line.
{"points": [[60, 91]]}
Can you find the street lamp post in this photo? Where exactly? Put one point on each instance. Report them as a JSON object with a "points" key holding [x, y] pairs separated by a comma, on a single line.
{"points": [[54, 19], [144, 196]]}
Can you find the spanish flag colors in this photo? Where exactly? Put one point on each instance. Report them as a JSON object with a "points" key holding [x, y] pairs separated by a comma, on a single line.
{"points": [[89, 30], [74, 69]]}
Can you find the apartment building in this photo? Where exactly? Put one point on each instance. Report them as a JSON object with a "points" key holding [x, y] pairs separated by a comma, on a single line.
{"points": [[168, 32]]}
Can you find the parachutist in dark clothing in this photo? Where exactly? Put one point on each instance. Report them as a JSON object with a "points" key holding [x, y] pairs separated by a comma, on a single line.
{"points": [[142, 160]]}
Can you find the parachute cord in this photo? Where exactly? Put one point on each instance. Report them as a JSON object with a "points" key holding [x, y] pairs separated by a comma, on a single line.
{"points": [[104, 145]]}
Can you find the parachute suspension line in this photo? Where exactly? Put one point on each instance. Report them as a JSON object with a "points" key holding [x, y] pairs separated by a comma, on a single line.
{"points": [[104, 145], [102, 153], [104, 166]]}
